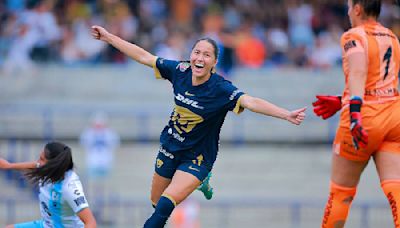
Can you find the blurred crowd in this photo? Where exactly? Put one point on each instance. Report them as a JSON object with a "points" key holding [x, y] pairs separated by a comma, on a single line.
{"points": [[250, 33]]}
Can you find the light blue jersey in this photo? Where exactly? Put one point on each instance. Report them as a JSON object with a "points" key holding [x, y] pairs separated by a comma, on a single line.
{"points": [[60, 202]]}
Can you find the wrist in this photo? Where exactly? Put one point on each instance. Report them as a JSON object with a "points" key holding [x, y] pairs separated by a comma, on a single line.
{"points": [[110, 38], [355, 104]]}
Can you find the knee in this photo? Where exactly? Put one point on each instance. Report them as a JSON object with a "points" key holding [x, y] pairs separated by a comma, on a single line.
{"points": [[154, 200], [342, 193], [10, 226]]}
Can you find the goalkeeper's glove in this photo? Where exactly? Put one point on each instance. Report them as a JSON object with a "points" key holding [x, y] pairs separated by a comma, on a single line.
{"points": [[358, 133], [326, 106]]}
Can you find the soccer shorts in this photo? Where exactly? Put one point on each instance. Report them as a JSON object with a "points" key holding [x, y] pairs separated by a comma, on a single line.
{"points": [[32, 224], [167, 163], [382, 123]]}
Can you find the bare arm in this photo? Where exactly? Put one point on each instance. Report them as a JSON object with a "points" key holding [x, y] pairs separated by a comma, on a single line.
{"points": [[264, 107], [133, 51], [87, 218], [357, 74], [4, 164]]}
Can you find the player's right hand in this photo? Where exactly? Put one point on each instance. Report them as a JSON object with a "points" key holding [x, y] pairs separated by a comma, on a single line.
{"points": [[326, 105], [100, 33]]}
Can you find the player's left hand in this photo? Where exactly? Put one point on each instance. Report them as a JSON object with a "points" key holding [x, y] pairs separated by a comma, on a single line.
{"points": [[297, 116], [358, 133], [4, 164]]}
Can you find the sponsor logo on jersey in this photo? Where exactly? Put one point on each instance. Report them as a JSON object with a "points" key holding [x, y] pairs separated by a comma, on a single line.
{"points": [[233, 95], [80, 200], [183, 66], [176, 135], [193, 168], [349, 44], [189, 94], [76, 192], [193, 103], [166, 153]]}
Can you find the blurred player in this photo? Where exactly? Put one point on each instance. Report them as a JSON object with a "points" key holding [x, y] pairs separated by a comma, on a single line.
{"points": [[370, 119], [62, 200], [189, 143]]}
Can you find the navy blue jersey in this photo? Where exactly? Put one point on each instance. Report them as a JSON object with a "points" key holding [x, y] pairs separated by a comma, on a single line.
{"points": [[199, 111]]}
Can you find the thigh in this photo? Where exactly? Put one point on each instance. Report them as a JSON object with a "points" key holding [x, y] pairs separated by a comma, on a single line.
{"points": [[182, 185], [346, 172], [158, 186], [388, 165], [32, 224], [200, 171]]}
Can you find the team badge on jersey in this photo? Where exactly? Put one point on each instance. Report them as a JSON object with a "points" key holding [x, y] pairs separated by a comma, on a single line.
{"points": [[183, 66]]}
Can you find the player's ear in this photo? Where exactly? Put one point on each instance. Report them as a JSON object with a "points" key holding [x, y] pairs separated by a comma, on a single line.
{"points": [[358, 10]]}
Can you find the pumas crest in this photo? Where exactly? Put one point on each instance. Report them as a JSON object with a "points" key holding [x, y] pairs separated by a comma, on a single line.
{"points": [[183, 66]]}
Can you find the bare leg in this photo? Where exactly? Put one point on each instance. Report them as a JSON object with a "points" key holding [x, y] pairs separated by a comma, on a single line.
{"points": [[387, 165], [159, 184], [182, 185], [345, 172]]}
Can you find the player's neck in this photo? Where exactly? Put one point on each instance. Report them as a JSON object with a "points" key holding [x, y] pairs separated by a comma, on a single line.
{"points": [[366, 21]]}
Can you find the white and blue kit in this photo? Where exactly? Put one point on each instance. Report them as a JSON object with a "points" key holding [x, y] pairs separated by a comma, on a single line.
{"points": [[59, 204]]}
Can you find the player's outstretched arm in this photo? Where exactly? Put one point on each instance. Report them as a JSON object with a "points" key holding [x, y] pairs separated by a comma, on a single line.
{"points": [[133, 51], [87, 218], [261, 106], [4, 164]]}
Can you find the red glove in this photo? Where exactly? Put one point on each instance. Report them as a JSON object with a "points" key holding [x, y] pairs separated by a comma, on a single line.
{"points": [[360, 136], [326, 105]]}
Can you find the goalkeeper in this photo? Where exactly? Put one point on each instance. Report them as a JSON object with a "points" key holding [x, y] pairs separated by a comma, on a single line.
{"points": [[370, 118]]}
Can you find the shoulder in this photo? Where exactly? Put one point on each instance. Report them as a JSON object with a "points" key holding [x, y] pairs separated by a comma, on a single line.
{"points": [[353, 38], [178, 65], [183, 66], [224, 86], [353, 34], [71, 180]]}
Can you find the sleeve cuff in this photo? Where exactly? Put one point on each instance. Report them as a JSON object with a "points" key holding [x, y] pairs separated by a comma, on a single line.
{"points": [[156, 71], [238, 108]]}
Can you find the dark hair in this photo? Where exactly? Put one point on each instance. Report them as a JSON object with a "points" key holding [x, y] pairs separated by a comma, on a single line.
{"points": [[59, 161], [212, 42], [371, 7]]}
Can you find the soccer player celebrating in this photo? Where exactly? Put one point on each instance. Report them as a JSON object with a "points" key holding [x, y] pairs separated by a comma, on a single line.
{"points": [[62, 200], [189, 142], [370, 118]]}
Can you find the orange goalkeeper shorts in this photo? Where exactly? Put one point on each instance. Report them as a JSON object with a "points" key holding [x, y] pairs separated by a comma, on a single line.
{"points": [[382, 123]]}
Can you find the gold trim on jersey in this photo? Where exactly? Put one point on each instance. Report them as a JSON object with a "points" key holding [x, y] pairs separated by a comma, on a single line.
{"points": [[238, 108], [156, 71]]}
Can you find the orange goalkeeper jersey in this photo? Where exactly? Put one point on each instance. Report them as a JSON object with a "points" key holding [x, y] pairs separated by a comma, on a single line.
{"points": [[382, 51]]}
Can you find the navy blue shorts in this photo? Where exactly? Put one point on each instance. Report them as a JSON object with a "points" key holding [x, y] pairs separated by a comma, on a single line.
{"points": [[167, 163]]}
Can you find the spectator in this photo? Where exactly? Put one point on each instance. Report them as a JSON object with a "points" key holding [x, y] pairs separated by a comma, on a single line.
{"points": [[100, 143]]}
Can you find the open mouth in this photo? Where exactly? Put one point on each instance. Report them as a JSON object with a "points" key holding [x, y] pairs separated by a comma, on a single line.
{"points": [[199, 65]]}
